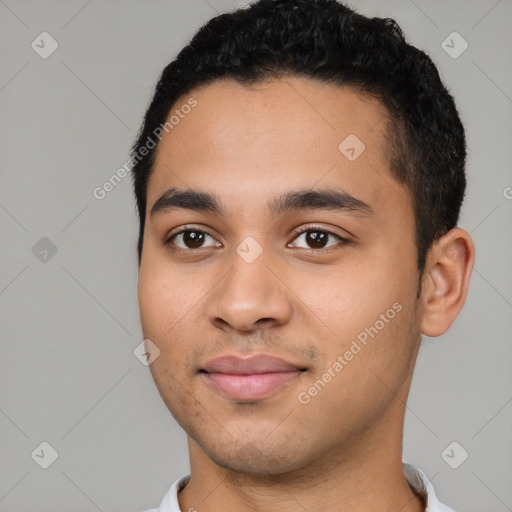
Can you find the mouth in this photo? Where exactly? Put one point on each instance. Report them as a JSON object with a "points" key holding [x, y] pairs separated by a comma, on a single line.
{"points": [[249, 379]]}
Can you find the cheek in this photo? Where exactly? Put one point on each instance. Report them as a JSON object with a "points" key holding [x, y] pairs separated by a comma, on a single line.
{"points": [[366, 308], [353, 297], [169, 304], [166, 296]]}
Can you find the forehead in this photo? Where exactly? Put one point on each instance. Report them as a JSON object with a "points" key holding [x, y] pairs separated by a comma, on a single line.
{"points": [[253, 142]]}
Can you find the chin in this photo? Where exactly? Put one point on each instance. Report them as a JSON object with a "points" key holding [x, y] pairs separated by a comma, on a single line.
{"points": [[257, 458]]}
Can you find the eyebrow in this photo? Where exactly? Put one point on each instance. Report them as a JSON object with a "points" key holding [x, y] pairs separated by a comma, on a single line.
{"points": [[325, 199]]}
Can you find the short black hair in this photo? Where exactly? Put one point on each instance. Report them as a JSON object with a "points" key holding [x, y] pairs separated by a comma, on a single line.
{"points": [[327, 41]]}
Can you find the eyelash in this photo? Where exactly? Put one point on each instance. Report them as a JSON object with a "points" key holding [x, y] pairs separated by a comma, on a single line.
{"points": [[296, 234]]}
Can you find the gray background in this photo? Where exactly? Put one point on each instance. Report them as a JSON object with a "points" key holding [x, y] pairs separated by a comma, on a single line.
{"points": [[69, 320]]}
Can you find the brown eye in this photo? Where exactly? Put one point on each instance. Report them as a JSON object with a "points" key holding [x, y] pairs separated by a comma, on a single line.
{"points": [[192, 239], [317, 239]]}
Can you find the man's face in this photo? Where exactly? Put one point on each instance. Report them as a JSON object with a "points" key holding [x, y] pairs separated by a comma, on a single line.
{"points": [[330, 289]]}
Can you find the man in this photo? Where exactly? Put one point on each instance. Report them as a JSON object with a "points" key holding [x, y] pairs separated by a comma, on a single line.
{"points": [[298, 236]]}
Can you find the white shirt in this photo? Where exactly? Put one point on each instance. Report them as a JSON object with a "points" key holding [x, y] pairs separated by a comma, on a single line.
{"points": [[415, 476]]}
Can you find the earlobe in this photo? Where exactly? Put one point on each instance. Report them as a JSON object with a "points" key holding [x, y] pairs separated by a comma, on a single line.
{"points": [[450, 263]]}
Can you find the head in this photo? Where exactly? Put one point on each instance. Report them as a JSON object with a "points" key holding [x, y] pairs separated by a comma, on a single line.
{"points": [[297, 114]]}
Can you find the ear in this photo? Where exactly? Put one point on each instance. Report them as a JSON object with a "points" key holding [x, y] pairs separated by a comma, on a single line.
{"points": [[446, 281]]}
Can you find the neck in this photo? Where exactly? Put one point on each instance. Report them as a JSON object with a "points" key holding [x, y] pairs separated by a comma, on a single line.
{"points": [[364, 475]]}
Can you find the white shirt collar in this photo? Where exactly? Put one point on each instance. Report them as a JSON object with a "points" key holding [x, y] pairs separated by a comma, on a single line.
{"points": [[422, 485], [415, 477]]}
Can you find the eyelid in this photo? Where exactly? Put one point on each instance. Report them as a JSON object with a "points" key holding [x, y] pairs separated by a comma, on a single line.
{"points": [[311, 227]]}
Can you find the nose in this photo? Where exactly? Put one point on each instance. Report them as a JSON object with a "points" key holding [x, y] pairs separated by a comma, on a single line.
{"points": [[249, 297]]}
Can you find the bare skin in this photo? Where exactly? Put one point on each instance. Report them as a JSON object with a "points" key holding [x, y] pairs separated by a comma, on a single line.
{"points": [[305, 303]]}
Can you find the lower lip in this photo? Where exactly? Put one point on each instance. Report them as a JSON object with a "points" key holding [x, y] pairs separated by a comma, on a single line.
{"points": [[250, 387]]}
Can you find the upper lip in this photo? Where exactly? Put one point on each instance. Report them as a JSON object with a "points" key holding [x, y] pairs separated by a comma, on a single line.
{"points": [[260, 363]]}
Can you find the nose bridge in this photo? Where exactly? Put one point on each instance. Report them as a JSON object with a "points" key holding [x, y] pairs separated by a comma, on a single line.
{"points": [[249, 292], [249, 271]]}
